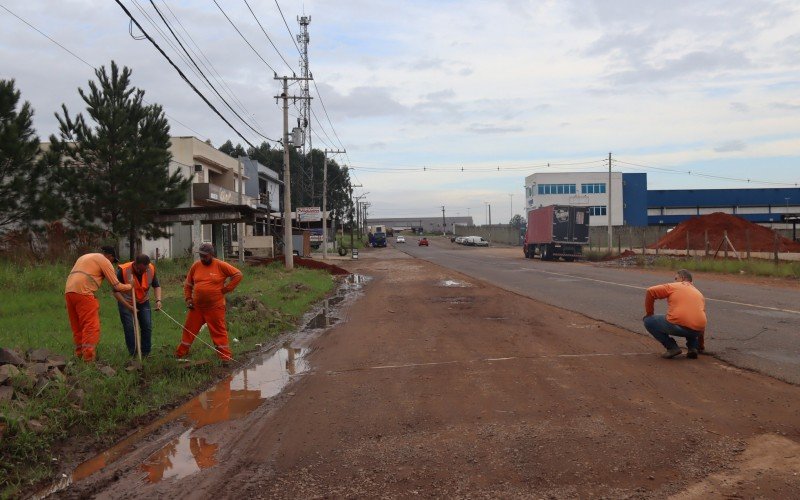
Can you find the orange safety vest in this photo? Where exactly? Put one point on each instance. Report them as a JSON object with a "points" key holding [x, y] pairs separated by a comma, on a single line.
{"points": [[142, 287]]}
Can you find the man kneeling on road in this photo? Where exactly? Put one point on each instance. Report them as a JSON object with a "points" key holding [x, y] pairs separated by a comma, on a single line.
{"points": [[686, 315]]}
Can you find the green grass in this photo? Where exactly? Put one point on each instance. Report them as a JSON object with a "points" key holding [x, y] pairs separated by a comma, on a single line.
{"points": [[755, 267], [345, 241], [33, 315]]}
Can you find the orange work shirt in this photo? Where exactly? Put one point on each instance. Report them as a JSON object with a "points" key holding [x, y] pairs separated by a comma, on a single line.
{"points": [[88, 272], [205, 285], [686, 306]]}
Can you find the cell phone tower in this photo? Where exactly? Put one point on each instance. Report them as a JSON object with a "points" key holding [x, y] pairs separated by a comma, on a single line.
{"points": [[303, 39]]}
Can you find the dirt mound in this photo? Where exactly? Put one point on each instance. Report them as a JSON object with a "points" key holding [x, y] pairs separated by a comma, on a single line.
{"points": [[740, 231], [300, 261]]}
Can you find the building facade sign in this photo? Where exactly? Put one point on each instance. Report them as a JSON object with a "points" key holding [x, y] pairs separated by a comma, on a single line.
{"points": [[309, 214]]}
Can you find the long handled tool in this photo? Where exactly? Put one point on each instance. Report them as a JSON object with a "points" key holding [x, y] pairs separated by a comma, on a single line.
{"points": [[137, 333]]}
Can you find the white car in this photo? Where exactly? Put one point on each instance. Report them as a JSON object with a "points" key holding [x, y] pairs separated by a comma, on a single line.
{"points": [[475, 241], [460, 239], [400, 239]]}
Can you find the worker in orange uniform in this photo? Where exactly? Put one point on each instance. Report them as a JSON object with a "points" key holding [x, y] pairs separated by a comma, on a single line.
{"points": [[141, 274], [686, 315], [204, 291], [82, 306]]}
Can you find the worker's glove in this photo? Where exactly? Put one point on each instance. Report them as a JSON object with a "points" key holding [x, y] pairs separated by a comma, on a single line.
{"points": [[189, 304]]}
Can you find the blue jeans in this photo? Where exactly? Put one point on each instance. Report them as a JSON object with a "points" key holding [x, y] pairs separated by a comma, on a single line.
{"points": [[145, 326], [663, 331]]}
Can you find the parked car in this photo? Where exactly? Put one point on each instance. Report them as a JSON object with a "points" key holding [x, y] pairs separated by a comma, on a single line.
{"points": [[460, 239], [400, 239], [475, 241], [423, 242]]}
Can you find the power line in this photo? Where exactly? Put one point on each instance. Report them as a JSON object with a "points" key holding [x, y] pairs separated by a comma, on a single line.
{"points": [[208, 103], [287, 27], [327, 115], [216, 74], [76, 56], [243, 37], [708, 176], [266, 35], [204, 75]]}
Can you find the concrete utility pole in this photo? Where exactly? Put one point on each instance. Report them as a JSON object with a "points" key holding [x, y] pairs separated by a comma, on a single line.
{"points": [[325, 201], [490, 222], [511, 206], [608, 211], [444, 223], [288, 246], [241, 226]]}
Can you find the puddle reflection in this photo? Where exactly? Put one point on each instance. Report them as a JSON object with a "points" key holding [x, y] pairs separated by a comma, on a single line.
{"points": [[233, 398]]}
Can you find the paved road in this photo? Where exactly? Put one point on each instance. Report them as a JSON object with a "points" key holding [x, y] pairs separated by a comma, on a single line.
{"points": [[752, 326]]}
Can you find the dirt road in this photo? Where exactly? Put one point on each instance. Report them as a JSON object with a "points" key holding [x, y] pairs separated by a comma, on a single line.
{"points": [[438, 385]]}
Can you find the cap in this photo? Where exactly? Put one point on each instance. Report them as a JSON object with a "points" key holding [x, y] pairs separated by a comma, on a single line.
{"points": [[109, 250], [206, 248]]}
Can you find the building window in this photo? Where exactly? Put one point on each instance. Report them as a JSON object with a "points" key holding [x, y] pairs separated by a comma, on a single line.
{"points": [[596, 188], [556, 188], [597, 210]]}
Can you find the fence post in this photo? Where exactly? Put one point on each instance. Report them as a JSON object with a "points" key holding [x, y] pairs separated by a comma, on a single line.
{"points": [[644, 240], [619, 243], [777, 246], [687, 243], [706, 242], [747, 242], [725, 242]]}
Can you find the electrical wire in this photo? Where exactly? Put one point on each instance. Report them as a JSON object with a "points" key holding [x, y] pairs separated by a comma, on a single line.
{"points": [[260, 134], [708, 176], [76, 56], [287, 27], [268, 38], [195, 89], [243, 37]]}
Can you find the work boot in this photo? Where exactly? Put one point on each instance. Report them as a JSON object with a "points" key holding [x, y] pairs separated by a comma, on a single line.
{"points": [[671, 353], [692, 353]]}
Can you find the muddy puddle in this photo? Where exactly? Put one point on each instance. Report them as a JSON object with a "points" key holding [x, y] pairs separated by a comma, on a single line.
{"points": [[236, 396]]}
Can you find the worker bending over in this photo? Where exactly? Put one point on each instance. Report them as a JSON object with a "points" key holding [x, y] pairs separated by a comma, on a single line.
{"points": [[141, 274], [82, 306], [204, 291], [686, 315]]}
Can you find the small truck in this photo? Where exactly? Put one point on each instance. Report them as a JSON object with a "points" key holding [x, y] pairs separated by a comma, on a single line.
{"points": [[557, 231]]}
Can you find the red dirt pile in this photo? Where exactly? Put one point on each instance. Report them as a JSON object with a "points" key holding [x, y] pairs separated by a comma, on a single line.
{"points": [[740, 231], [300, 261]]}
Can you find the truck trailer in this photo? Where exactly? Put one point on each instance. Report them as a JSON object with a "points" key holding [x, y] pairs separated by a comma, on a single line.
{"points": [[557, 231]]}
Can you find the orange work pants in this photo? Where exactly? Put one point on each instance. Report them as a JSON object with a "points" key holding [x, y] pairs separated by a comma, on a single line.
{"points": [[214, 317], [84, 319]]}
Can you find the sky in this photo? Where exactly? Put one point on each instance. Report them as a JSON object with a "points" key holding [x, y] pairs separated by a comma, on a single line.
{"points": [[453, 103]]}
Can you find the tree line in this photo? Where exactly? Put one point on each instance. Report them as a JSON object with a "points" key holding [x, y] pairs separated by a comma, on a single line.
{"points": [[105, 173]]}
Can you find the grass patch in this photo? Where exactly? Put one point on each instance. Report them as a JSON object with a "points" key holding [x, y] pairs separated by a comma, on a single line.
{"points": [[92, 405], [344, 241], [755, 267]]}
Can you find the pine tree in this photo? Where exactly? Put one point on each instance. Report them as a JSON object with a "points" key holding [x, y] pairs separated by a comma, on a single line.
{"points": [[114, 173], [20, 173]]}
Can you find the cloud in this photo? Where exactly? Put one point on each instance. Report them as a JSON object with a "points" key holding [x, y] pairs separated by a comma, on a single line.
{"points": [[440, 95], [740, 107], [486, 128], [686, 65], [788, 106], [362, 102], [730, 147]]}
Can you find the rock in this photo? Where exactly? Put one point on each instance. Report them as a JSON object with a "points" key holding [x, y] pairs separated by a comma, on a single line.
{"points": [[38, 369], [7, 372], [25, 380], [56, 374], [35, 426], [77, 396], [38, 355], [6, 393], [57, 361], [108, 371], [10, 357], [133, 366]]}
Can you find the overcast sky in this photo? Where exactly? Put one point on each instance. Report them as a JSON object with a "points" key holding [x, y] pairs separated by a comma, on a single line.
{"points": [[418, 90]]}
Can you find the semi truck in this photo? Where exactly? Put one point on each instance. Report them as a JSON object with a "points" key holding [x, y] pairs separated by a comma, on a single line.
{"points": [[557, 231]]}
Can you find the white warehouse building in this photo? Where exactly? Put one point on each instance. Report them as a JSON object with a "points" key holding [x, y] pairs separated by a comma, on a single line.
{"points": [[577, 188]]}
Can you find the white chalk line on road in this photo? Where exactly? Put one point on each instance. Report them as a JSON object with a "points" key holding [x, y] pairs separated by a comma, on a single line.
{"points": [[756, 306], [488, 360]]}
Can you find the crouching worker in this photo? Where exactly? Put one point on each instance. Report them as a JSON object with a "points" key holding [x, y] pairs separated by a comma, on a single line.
{"points": [[141, 274], [82, 306], [204, 291], [686, 315]]}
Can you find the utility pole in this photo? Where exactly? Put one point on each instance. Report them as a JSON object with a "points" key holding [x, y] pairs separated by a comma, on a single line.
{"points": [[288, 246], [490, 222], [325, 200], [511, 206], [608, 211], [444, 223], [241, 226], [352, 219]]}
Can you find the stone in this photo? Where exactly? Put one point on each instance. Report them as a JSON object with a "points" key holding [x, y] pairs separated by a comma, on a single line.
{"points": [[35, 426], [38, 355], [77, 396], [56, 374], [38, 369], [108, 371], [6, 393], [7, 372], [57, 360], [10, 357]]}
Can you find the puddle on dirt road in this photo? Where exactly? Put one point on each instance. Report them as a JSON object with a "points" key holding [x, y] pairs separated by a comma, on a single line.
{"points": [[454, 284], [232, 398]]}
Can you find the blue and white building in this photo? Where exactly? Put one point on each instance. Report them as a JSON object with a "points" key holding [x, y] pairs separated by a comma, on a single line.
{"points": [[632, 204]]}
